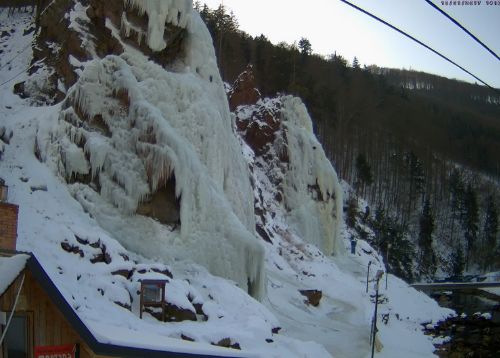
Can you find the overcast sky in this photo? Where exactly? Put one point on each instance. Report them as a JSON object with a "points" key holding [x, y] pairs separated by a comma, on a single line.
{"points": [[331, 25]]}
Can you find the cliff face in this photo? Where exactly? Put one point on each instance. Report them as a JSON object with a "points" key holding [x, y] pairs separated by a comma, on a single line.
{"points": [[296, 189]]}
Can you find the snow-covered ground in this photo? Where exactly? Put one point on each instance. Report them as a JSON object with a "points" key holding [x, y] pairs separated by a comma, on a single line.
{"points": [[50, 216]]}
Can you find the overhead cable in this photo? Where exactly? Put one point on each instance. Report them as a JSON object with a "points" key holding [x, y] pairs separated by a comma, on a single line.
{"points": [[463, 28], [417, 41], [13, 58]]}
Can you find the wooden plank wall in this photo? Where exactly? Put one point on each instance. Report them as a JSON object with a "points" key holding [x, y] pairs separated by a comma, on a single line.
{"points": [[49, 325]]}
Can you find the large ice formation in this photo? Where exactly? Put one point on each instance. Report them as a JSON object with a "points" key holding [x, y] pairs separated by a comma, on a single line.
{"points": [[312, 191], [128, 125]]}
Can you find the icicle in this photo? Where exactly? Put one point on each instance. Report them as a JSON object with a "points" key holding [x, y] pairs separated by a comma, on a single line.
{"points": [[176, 12], [97, 150], [125, 25], [74, 160]]}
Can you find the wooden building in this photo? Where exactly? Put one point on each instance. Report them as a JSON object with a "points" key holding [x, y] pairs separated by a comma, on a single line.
{"points": [[43, 324]]}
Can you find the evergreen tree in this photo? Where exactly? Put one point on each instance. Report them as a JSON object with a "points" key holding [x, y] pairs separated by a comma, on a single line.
{"points": [[352, 211], [427, 259], [220, 24], [363, 174], [470, 221], [458, 263], [490, 232], [355, 63], [379, 224], [415, 180], [402, 252], [391, 240], [457, 192], [305, 46]]}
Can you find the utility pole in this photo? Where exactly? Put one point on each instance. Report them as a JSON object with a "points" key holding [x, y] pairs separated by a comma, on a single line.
{"points": [[379, 275], [368, 275], [387, 267]]}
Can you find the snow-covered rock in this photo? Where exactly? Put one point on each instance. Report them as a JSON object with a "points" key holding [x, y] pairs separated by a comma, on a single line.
{"points": [[306, 187]]}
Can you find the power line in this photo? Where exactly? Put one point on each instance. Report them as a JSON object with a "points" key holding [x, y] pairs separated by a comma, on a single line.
{"points": [[417, 41], [17, 75], [13, 58], [463, 28], [23, 71]]}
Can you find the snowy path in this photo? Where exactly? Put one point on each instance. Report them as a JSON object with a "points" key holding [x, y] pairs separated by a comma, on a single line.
{"points": [[337, 324]]}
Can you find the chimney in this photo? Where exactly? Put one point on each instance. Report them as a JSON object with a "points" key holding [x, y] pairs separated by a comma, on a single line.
{"points": [[8, 220], [4, 190]]}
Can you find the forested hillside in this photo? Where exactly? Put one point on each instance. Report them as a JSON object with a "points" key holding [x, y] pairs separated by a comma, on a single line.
{"points": [[421, 149]]}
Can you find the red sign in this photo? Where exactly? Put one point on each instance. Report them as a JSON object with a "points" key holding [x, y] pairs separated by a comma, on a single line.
{"points": [[66, 351]]}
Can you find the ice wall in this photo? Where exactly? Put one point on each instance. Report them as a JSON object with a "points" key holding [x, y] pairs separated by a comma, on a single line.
{"points": [[313, 195], [155, 123], [159, 12]]}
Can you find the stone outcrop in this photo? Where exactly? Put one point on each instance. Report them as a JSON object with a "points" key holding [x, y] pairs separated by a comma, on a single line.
{"points": [[263, 133], [260, 130], [294, 175], [243, 91], [313, 297], [82, 38], [227, 343], [163, 205], [259, 124]]}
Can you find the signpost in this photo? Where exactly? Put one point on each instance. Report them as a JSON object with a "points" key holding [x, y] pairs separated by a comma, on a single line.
{"points": [[153, 295], [379, 275], [64, 351]]}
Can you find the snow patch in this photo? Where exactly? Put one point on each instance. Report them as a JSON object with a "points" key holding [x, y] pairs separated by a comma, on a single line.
{"points": [[10, 268]]}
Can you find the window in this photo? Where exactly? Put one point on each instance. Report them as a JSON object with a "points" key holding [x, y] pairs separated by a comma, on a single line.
{"points": [[17, 342], [152, 294]]}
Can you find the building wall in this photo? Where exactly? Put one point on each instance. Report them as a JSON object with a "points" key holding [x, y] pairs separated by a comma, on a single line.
{"points": [[49, 327], [8, 226]]}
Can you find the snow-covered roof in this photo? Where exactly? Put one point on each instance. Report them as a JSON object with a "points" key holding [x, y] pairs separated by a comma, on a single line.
{"points": [[105, 339], [10, 268]]}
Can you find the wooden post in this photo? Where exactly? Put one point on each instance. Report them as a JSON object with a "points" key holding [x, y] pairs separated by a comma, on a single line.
{"points": [[368, 275], [374, 322]]}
